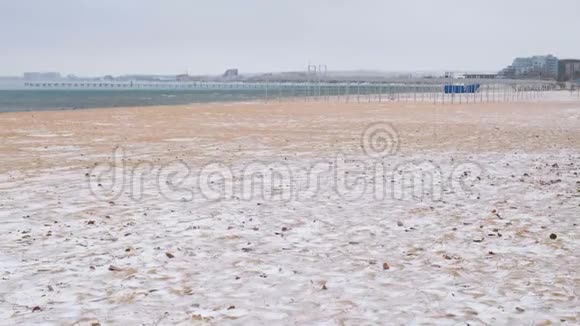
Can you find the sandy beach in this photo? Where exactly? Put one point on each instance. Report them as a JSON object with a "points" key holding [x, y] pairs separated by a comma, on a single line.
{"points": [[292, 213]]}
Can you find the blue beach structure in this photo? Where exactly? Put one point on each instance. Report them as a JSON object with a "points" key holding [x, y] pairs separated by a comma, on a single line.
{"points": [[461, 89]]}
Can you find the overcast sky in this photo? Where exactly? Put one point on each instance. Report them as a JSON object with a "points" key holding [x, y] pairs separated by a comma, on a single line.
{"points": [[94, 37]]}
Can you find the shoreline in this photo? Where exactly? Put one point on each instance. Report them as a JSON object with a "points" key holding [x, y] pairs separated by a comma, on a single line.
{"points": [[194, 99]]}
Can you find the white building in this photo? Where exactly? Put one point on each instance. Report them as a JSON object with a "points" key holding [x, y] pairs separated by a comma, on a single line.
{"points": [[41, 75], [536, 66]]}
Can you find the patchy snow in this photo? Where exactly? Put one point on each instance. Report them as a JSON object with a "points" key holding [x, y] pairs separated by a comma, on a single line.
{"points": [[481, 254], [284, 218]]}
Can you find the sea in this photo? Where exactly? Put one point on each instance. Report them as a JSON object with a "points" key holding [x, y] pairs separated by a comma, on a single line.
{"points": [[15, 98], [44, 100]]}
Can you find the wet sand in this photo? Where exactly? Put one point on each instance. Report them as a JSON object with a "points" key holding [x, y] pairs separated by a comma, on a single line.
{"points": [[492, 240]]}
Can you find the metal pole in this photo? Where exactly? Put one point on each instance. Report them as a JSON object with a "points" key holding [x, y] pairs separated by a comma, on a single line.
{"points": [[452, 94], [347, 90], [266, 89], [279, 92], [398, 96]]}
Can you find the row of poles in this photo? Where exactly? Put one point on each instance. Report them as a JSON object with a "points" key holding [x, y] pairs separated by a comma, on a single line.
{"points": [[369, 93]]}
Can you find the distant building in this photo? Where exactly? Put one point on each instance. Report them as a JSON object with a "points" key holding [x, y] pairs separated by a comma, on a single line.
{"points": [[231, 73], [551, 66], [508, 72], [569, 70], [41, 75], [453, 75], [480, 76], [541, 66], [183, 77]]}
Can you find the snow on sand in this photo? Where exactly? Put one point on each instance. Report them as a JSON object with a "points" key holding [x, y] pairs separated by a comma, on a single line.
{"points": [[468, 214]]}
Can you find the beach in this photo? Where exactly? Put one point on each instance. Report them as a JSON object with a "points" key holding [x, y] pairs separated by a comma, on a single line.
{"points": [[292, 212]]}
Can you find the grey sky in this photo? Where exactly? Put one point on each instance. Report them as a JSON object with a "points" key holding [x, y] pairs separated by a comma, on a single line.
{"points": [[170, 36]]}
